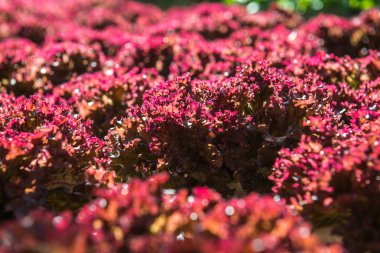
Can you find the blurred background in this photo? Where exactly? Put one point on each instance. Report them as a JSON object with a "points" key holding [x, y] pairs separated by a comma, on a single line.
{"points": [[307, 7]]}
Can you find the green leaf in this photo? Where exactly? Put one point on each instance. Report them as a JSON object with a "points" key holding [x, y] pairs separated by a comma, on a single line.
{"points": [[229, 1]]}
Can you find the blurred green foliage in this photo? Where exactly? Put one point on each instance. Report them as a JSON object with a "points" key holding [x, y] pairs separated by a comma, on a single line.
{"points": [[312, 7], [307, 7]]}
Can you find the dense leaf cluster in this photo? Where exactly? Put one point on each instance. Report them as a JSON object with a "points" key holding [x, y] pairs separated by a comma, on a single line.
{"points": [[124, 128]]}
